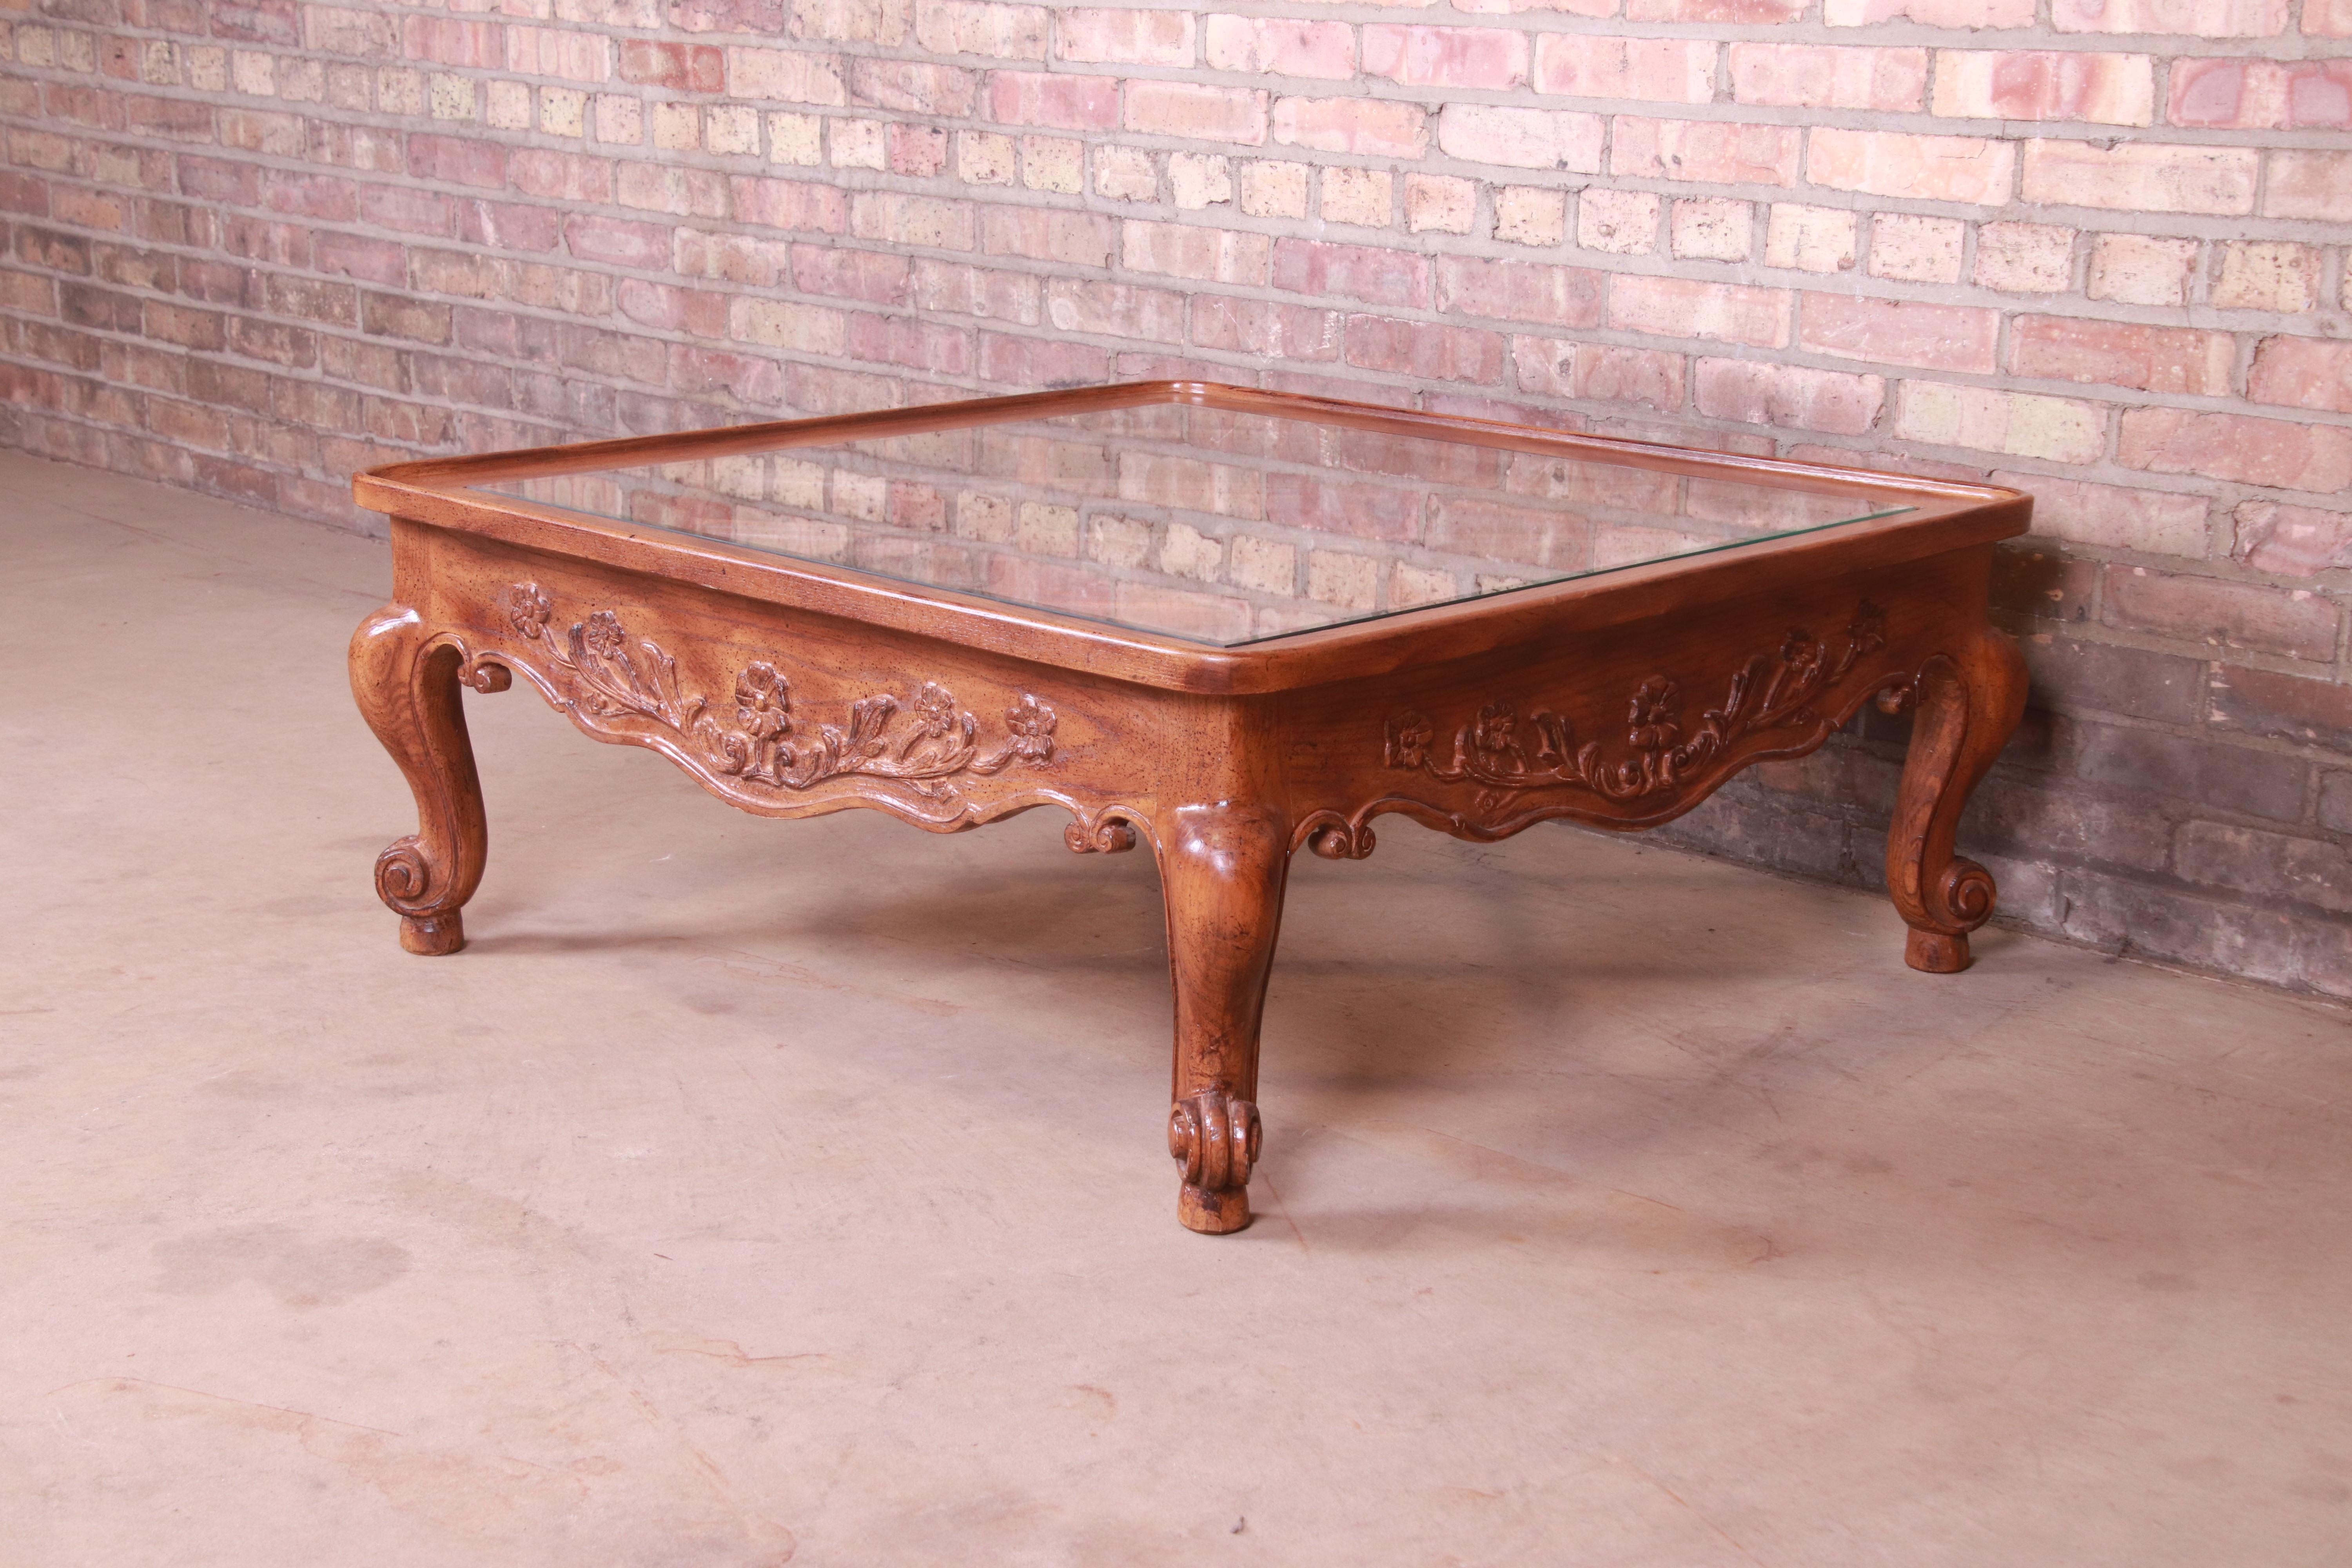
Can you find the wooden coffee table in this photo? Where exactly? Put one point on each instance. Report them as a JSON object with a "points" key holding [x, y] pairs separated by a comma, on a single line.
{"points": [[1221, 623]]}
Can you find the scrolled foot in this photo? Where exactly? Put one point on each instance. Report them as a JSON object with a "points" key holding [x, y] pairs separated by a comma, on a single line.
{"points": [[1216, 1141], [432, 936]]}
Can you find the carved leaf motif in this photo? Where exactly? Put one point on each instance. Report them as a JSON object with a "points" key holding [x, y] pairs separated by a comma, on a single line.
{"points": [[1662, 753], [923, 744]]}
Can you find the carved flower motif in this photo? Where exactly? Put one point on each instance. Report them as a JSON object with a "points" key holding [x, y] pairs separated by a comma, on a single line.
{"points": [[764, 702], [1409, 737], [525, 607], [1869, 628], [1800, 648], [604, 637], [935, 709], [1492, 731], [1654, 714], [1029, 719]]}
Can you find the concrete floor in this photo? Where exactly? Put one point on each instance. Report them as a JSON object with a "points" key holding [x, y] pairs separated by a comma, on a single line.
{"points": [[758, 1191]]}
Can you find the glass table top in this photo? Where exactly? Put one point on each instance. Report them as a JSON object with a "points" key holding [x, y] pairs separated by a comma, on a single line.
{"points": [[1208, 524]]}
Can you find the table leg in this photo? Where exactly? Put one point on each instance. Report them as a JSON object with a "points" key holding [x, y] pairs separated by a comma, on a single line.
{"points": [[1968, 704], [406, 687], [1221, 870]]}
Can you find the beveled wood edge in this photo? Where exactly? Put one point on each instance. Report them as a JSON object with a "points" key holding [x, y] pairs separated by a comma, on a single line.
{"points": [[1943, 516]]}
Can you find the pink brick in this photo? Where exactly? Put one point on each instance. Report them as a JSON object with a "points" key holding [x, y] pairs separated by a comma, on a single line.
{"points": [[2294, 456], [1708, 151], [607, 239], [2040, 84], [1817, 76], [2138, 176], [913, 86], [1047, 234], [2312, 184], [2196, 18], [2232, 615], [2152, 359], [480, 46], [897, 218], [1969, 14], [1898, 163], [787, 76], [1900, 331], [1191, 250], [1599, 372], [2293, 541], [1520, 138], [458, 160], [1364, 272], [1520, 292], [1322, 51], [977, 27], [1580, 65], [2328, 19], [1488, 57], [1679, 308], [1125, 36], [1374, 127], [2112, 516], [561, 176], [908, 341], [2303, 372], [1200, 113], [686, 67], [1427, 350], [872, 276], [1065, 102], [789, 204], [558, 52], [1788, 395], [1115, 310], [1268, 330], [1740, 13]]}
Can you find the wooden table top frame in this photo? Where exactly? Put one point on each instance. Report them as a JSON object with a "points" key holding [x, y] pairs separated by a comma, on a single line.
{"points": [[1621, 700]]}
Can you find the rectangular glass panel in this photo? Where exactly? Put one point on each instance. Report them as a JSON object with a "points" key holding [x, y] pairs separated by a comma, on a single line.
{"points": [[1219, 526]]}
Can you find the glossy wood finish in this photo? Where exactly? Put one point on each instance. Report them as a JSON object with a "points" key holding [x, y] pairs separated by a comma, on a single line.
{"points": [[789, 689]]}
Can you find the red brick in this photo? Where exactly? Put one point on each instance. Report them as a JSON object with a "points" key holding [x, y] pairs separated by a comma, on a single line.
{"points": [[2153, 359], [1738, 13], [2309, 713], [1377, 127], [1063, 102], [686, 67], [561, 176], [2293, 541], [697, 311], [212, 180], [876, 276], [910, 341], [1897, 164], [1680, 308], [1900, 331], [2303, 372], [2316, 457], [917, 151], [1428, 350], [1488, 57], [311, 195], [1520, 292], [2228, 615], [1599, 372], [1358, 511], [451, 41], [1708, 151], [1038, 362], [1818, 76], [1202, 113], [175, 118], [509, 225], [1323, 51], [1792, 396], [1362, 272]]}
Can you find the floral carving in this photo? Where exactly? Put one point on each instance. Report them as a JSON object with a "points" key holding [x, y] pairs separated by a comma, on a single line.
{"points": [[605, 677], [1502, 752]]}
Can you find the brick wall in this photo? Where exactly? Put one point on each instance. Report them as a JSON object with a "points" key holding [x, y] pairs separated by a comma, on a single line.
{"points": [[2095, 248]]}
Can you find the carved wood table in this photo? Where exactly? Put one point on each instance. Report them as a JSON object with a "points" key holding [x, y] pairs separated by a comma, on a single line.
{"points": [[1225, 623]]}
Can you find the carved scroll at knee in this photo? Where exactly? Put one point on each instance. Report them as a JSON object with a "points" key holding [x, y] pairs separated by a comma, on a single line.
{"points": [[1216, 1138]]}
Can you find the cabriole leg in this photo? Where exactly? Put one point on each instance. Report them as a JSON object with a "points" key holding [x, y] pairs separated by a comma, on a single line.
{"points": [[406, 687], [1221, 872], [1968, 703]]}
